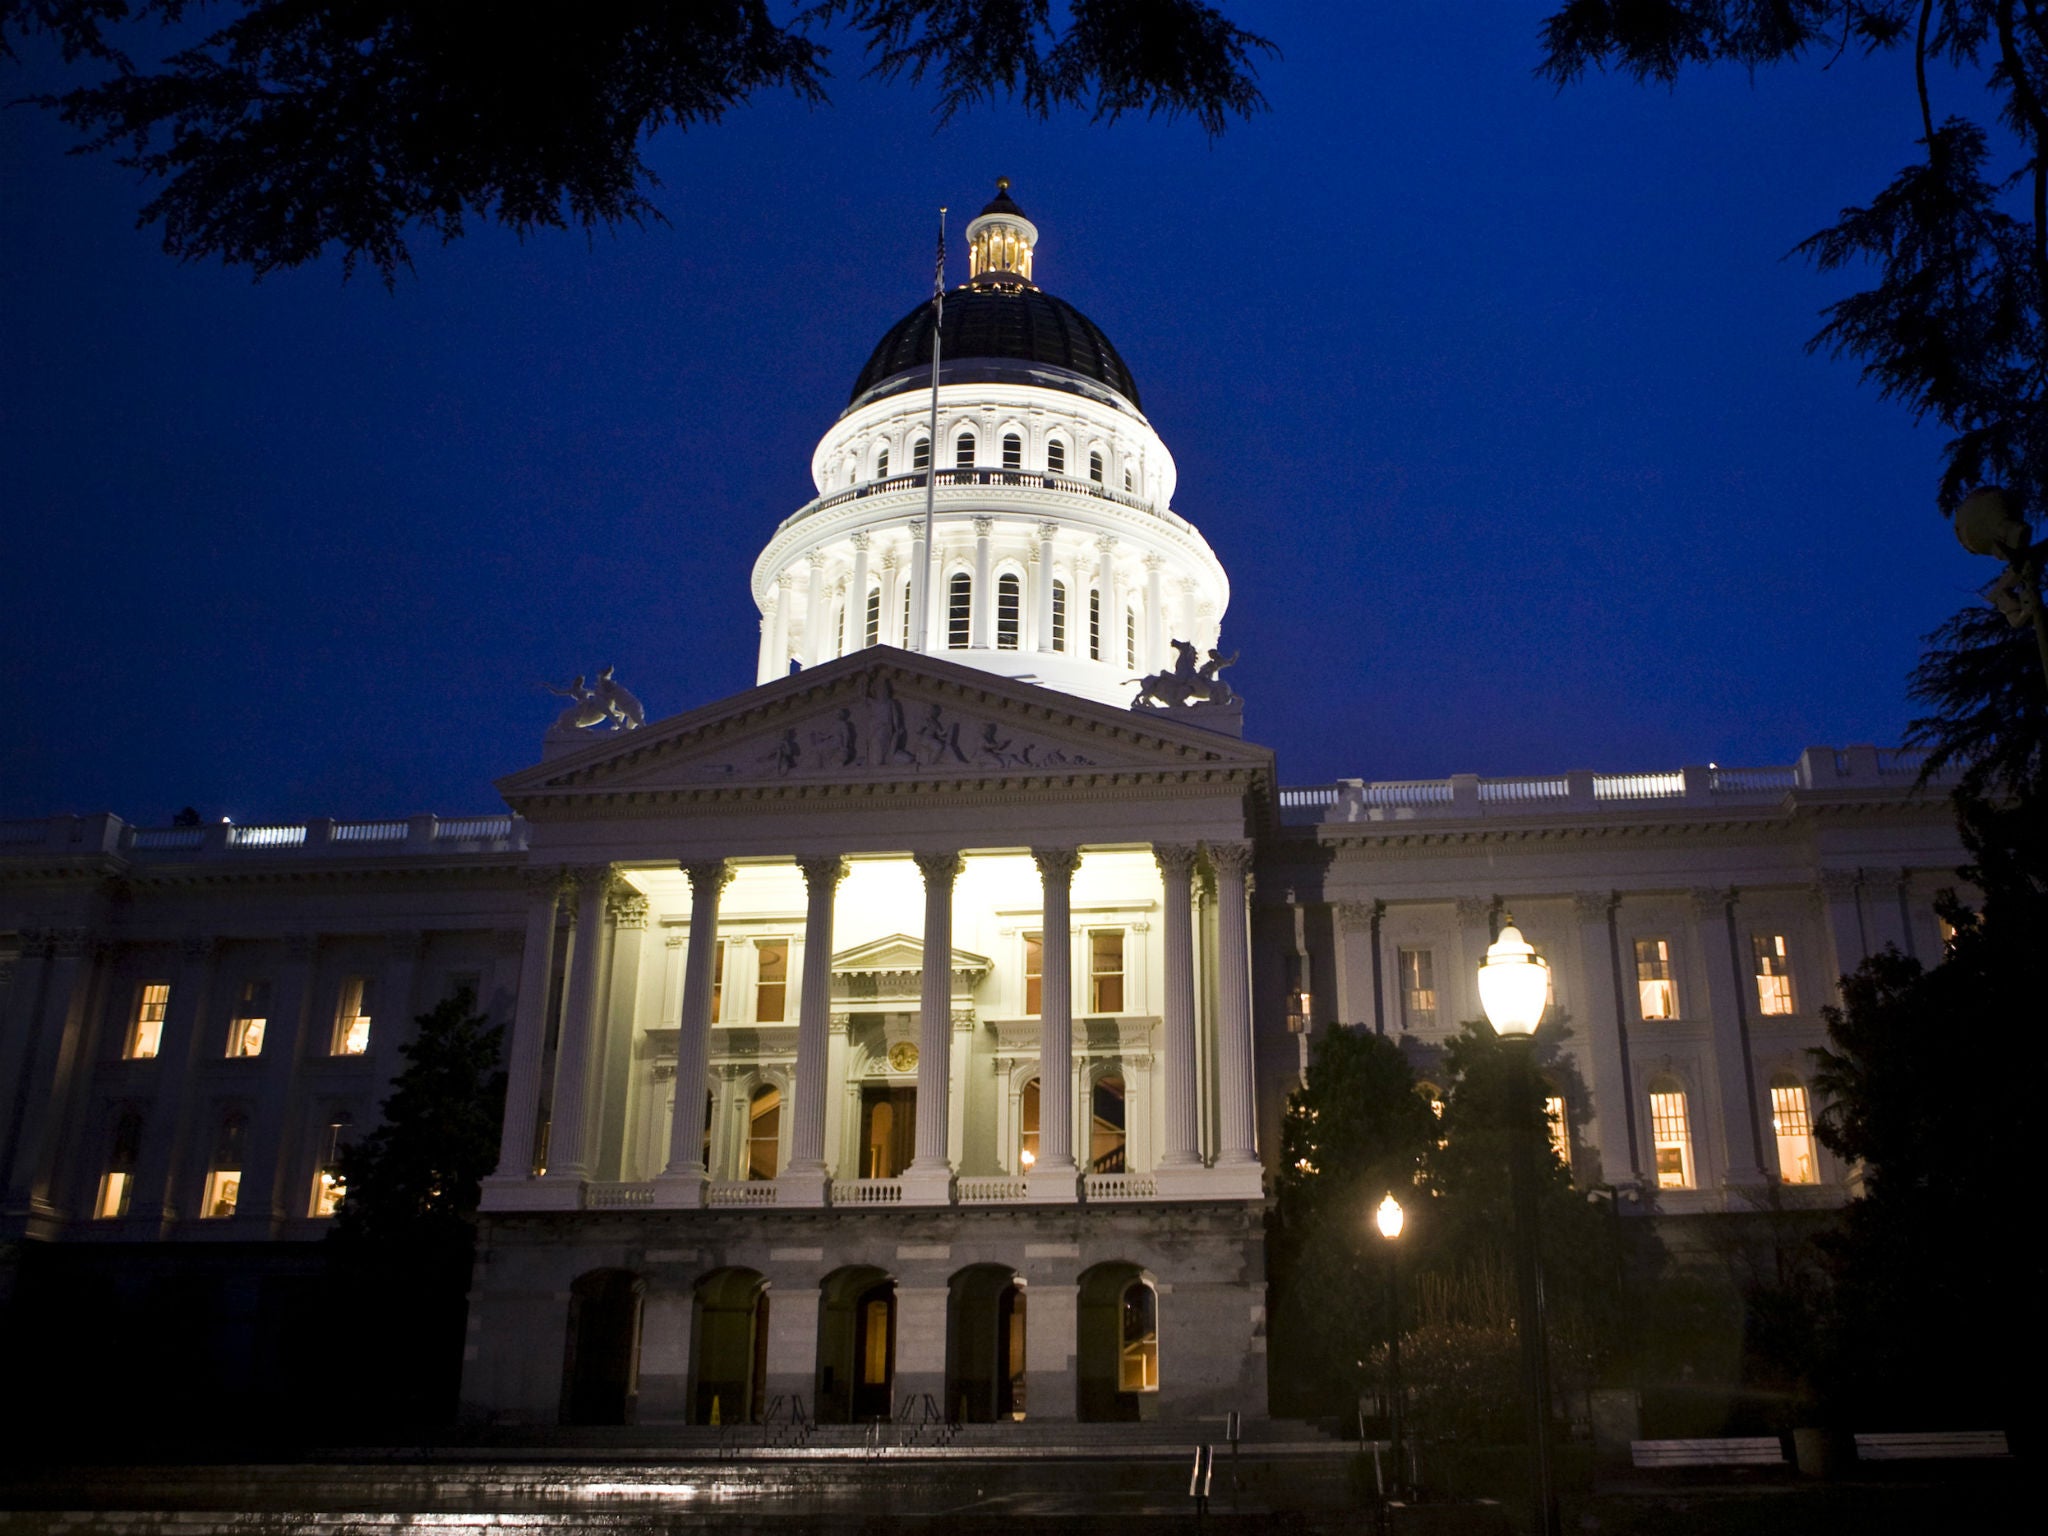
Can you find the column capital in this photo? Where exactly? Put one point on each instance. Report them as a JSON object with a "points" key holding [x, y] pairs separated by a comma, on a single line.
{"points": [[548, 881], [299, 947], [889, 558], [827, 871], [1593, 906], [1106, 543], [861, 538], [1234, 858], [1048, 531], [784, 582], [1711, 902], [1839, 884], [1474, 909], [1154, 561], [816, 558], [198, 948], [1176, 861], [717, 873], [984, 526], [1056, 863], [938, 868], [409, 944], [1357, 916], [915, 528], [625, 907]]}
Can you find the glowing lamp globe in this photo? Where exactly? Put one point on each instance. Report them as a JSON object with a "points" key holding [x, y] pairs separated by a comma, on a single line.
{"points": [[1514, 983], [1389, 1217], [1985, 524]]}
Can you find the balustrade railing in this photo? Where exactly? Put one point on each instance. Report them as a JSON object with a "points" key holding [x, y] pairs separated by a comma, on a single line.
{"points": [[617, 1196], [267, 837], [316, 838], [157, 839], [1120, 1186], [369, 831], [867, 1191], [740, 1192], [1638, 786], [1020, 479], [995, 1191]]}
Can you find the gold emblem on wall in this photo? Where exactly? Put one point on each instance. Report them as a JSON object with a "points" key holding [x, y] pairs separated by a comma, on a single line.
{"points": [[902, 1056]]}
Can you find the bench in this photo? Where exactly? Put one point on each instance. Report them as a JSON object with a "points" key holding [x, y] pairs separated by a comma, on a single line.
{"points": [[1942, 1445], [1731, 1451]]}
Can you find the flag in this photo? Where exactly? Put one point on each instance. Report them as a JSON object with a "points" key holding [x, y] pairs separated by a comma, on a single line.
{"points": [[939, 265]]}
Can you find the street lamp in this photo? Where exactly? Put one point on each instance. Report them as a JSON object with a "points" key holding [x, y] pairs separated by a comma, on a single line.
{"points": [[1985, 525], [1390, 1217], [1514, 985]]}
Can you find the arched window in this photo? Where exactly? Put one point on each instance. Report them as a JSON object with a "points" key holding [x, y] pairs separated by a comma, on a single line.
{"points": [[1027, 1127], [963, 451], [959, 612], [1094, 625], [1792, 1123], [1056, 457], [1671, 1134], [764, 1131], [920, 453], [1009, 610], [1095, 467], [882, 463], [1013, 451], [906, 615], [1059, 615], [1131, 638], [1130, 481], [873, 626], [117, 1184], [1137, 1359]]}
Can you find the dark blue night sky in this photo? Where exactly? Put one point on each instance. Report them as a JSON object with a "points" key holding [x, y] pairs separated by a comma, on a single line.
{"points": [[1493, 402]]}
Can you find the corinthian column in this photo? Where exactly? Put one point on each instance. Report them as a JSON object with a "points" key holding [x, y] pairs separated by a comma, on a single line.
{"points": [[1239, 1142], [529, 1039], [583, 987], [803, 1181], [1052, 1178], [682, 1182], [1043, 597], [1183, 1140], [929, 1179]]}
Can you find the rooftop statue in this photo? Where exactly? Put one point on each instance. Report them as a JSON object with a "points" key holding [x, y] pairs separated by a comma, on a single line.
{"points": [[1187, 683], [591, 708]]}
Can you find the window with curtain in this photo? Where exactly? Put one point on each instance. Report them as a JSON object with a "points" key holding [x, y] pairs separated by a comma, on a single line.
{"points": [[329, 1187], [352, 1017], [117, 1183], [771, 980], [1773, 973], [1656, 992], [1670, 1135], [146, 1023], [223, 1191], [252, 1018], [1034, 974], [1418, 988], [1792, 1124]]}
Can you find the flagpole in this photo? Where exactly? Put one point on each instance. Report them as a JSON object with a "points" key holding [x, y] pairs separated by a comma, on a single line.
{"points": [[922, 576]]}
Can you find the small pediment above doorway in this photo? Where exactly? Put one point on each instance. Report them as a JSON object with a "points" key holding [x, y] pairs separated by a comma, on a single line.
{"points": [[888, 973]]}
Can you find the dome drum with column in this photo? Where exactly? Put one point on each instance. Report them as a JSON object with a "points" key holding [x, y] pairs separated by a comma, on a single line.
{"points": [[1056, 557]]}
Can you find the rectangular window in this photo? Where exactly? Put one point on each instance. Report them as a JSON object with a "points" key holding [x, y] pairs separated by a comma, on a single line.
{"points": [[1013, 451], [1773, 974], [1793, 1126], [1034, 975], [921, 453], [771, 983], [717, 981], [1655, 990], [146, 1028], [116, 1188], [1009, 613], [1418, 988], [1056, 456], [224, 1175], [1059, 616], [871, 630], [1131, 638], [1560, 1128], [117, 1184], [352, 1017], [959, 613], [328, 1184], [1106, 970], [252, 1015], [1671, 1136], [963, 451], [1094, 625]]}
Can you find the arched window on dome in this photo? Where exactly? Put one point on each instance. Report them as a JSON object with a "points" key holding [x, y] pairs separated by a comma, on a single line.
{"points": [[1056, 457], [959, 612], [1130, 480], [1059, 616], [1009, 611], [906, 618], [1013, 451], [882, 462], [873, 626], [1094, 624], [1131, 638], [920, 453], [963, 451], [1095, 467]]}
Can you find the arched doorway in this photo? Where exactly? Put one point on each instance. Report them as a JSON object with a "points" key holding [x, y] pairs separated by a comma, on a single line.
{"points": [[985, 1345], [729, 1343], [856, 1346], [1117, 1344], [601, 1364]]}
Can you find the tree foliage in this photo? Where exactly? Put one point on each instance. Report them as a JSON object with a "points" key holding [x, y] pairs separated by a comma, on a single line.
{"points": [[296, 125]]}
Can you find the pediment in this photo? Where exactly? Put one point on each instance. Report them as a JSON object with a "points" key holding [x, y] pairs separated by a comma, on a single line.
{"points": [[882, 717], [899, 954]]}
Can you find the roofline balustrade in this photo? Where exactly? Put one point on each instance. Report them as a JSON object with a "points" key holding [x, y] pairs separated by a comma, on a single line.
{"points": [[320, 837]]}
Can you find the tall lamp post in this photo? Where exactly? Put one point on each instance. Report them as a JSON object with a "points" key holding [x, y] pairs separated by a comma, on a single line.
{"points": [[1390, 1216], [1514, 983], [1985, 525]]}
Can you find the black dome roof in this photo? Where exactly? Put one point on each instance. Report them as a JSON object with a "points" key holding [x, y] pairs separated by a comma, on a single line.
{"points": [[988, 332]]}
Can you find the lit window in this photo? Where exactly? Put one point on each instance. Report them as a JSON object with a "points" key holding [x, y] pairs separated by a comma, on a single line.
{"points": [[117, 1184], [1027, 1127], [352, 1018], [1137, 1361], [1793, 1126], [1418, 988], [1034, 974], [1013, 451], [959, 612], [1106, 970], [1094, 625], [1106, 1125], [717, 979], [1009, 611], [882, 463], [764, 1131], [245, 1030], [1773, 976], [1560, 1128], [1059, 615], [871, 629], [1056, 456], [963, 451], [146, 1028], [328, 1184], [1655, 990], [771, 985], [1670, 1135], [921, 453], [224, 1174], [1095, 467]]}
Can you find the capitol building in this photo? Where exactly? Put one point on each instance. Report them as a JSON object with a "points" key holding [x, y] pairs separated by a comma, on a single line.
{"points": [[910, 1032]]}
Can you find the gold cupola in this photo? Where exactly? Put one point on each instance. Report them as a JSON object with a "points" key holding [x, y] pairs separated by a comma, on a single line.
{"points": [[1000, 241]]}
